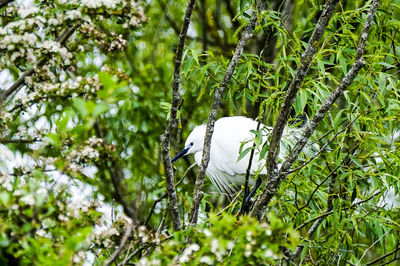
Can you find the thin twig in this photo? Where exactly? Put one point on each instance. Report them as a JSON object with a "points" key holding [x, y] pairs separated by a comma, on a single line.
{"points": [[28, 141], [166, 137], [373, 244], [387, 255], [166, 194], [333, 137], [246, 180], [121, 246], [198, 193], [331, 212]]}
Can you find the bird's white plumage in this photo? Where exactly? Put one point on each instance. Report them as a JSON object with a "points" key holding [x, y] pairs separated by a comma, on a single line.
{"points": [[224, 169]]}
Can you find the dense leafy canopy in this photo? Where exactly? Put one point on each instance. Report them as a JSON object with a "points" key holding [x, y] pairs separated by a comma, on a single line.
{"points": [[86, 94]]}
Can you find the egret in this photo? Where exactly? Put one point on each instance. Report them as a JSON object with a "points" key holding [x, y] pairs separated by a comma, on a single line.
{"points": [[232, 135]]}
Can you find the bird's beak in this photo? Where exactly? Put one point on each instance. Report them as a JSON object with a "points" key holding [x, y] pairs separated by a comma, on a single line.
{"points": [[180, 154]]}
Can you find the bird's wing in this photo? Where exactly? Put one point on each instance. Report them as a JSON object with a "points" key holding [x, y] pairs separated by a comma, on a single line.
{"points": [[229, 134], [221, 180]]}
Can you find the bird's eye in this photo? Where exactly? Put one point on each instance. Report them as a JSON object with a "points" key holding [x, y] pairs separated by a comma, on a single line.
{"points": [[191, 143]]}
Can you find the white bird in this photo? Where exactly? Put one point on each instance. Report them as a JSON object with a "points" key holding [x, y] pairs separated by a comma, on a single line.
{"points": [[224, 169]]}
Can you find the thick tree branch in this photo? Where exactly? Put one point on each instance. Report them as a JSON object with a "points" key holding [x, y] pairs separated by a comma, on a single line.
{"points": [[326, 105], [198, 194], [17, 84], [305, 62], [275, 177], [166, 137]]}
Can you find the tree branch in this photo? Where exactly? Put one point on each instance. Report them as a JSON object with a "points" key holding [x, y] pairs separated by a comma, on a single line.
{"points": [[121, 246], [329, 207], [277, 177], [327, 104], [165, 195], [198, 194], [27, 141], [318, 220], [305, 62], [385, 256], [166, 137]]}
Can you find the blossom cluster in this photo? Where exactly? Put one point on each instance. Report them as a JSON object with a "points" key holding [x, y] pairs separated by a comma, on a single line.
{"points": [[110, 236], [85, 87], [89, 152], [23, 44]]}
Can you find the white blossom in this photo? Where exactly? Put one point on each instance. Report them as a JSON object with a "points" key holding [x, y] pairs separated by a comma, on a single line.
{"points": [[28, 199], [6, 182], [214, 245], [187, 252], [24, 12], [207, 260], [41, 232]]}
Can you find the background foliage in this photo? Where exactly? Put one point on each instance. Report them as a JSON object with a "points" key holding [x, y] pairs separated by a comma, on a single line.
{"points": [[89, 117]]}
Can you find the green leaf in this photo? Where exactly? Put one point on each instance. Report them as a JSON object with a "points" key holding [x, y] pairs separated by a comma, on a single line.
{"points": [[53, 139], [243, 153], [80, 107], [4, 198], [100, 108]]}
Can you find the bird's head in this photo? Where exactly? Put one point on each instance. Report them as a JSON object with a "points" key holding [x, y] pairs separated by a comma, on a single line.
{"points": [[194, 142]]}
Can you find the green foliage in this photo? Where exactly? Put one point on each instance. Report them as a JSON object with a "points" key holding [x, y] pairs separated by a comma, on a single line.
{"points": [[96, 106], [225, 240], [38, 226]]}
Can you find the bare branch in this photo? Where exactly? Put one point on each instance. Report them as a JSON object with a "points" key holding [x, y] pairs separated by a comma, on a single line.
{"points": [[121, 246], [198, 194], [166, 137]]}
